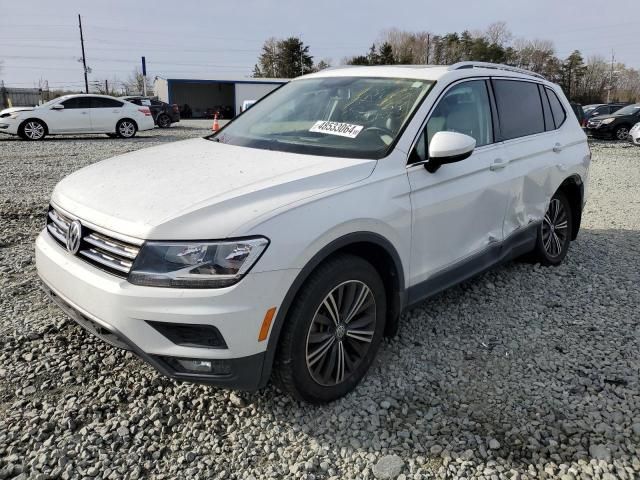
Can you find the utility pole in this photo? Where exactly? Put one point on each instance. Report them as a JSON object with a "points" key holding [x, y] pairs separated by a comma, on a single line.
{"points": [[428, 47], [610, 77], [84, 60], [144, 76], [106, 87]]}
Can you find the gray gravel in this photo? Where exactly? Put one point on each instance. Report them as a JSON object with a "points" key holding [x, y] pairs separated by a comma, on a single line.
{"points": [[523, 372]]}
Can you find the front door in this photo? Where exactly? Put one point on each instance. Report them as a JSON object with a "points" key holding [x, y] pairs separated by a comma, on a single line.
{"points": [[75, 117], [458, 211]]}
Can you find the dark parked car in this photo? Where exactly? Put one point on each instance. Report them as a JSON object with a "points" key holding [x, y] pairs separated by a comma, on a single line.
{"points": [[597, 109], [615, 125], [578, 110], [163, 113]]}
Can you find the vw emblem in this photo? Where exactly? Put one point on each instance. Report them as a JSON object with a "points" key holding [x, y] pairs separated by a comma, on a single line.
{"points": [[74, 235]]}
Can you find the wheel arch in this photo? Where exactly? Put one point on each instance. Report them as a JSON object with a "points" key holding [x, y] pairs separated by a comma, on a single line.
{"points": [[573, 188], [372, 247]]}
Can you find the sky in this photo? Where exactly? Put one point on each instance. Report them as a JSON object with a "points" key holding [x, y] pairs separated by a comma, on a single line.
{"points": [[192, 38]]}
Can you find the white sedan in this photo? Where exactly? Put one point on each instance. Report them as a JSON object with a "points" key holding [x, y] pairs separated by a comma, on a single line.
{"points": [[634, 134], [73, 114]]}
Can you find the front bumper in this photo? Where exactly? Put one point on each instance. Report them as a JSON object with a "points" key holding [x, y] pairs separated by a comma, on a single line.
{"points": [[603, 131], [8, 127], [117, 312]]}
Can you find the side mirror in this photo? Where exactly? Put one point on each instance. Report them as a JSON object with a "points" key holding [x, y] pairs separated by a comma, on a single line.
{"points": [[448, 147], [57, 106]]}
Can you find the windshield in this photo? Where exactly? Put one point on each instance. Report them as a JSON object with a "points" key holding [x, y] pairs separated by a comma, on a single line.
{"points": [[628, 110], [588, 108], [358, 117]]}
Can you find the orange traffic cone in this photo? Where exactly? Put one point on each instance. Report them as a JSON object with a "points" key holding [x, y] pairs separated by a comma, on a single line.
{"points": [[216, 126]]}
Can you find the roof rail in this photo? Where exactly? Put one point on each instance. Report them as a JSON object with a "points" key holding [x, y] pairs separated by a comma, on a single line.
{"points": [[495, 66]]}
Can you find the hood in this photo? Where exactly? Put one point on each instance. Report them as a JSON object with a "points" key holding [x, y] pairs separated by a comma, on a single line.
{"points": [[15, 109], [197, 189]]}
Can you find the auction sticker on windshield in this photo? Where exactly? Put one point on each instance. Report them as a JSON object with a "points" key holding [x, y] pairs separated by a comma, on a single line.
{"points": [[336, 128]]}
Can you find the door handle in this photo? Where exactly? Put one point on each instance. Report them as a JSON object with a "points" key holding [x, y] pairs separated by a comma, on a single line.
{"points": [[557, 148], [498, 164]]}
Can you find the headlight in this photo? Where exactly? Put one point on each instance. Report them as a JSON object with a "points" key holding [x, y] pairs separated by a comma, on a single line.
{"points": [[607, 121], [196, 264]]}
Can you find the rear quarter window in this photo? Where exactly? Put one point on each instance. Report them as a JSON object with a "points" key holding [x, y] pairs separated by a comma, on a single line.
{"points": [[519, 108], [559, 114]]}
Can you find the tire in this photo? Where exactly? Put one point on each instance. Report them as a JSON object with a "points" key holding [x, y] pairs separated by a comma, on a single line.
{"points": [[163, 120], [32, 129], [312, 373], [621, 133], [126, 128], [555, 231]]}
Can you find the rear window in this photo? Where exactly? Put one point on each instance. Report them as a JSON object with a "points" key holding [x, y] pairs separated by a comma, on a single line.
{"points": [[559, 115], [99, 102], [519, 108]]}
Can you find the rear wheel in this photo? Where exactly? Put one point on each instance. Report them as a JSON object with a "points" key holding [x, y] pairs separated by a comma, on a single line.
{"points": [[554, 234], [126, 128], [163, 120], [333, 331], [32, 130]]}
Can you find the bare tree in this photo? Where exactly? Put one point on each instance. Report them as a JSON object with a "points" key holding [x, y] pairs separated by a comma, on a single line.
{"points": [[498, 33], [135, 83]]}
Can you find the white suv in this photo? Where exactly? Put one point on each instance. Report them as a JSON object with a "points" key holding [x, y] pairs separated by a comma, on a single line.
{"points": [[74, 114], [287, 244]]}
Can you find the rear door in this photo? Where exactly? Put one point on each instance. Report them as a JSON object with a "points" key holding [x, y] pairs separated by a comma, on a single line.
{"points": [[530, 118], [457, 211], [75, 117], [105, 113]]}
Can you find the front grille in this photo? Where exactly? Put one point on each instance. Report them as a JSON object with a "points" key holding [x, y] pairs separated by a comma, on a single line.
{"points": [[594, 123], [105, 252]]}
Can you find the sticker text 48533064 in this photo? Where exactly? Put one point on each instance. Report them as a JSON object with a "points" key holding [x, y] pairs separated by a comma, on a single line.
{"points": [[336, 128]]}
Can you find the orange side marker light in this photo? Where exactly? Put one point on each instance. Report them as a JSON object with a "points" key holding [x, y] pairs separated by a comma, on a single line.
{"points": [[266, 324]]}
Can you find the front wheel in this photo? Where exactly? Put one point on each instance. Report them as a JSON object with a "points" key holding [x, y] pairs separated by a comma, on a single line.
{"points": [[126, 128], [622, 133], [333, 331], [32, 130], [554, 234]]}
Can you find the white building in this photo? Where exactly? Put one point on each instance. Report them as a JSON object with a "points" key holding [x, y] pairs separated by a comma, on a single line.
{"points": [[203, 95]]}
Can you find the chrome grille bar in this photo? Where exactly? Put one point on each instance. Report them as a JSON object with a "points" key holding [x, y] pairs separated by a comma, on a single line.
{"points": [[97, 248], [107, 260], [112, 246], [57, 232], [59, 220]]}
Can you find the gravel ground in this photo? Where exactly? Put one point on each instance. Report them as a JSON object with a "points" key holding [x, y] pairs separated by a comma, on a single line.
{"points": [[523, 372]]}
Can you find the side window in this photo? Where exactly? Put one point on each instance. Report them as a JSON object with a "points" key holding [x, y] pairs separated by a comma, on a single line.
{"points": [[546, 108], [559, 115], [157, 103], [465, 108], [100, 102], [519, 108], [76, 102]]}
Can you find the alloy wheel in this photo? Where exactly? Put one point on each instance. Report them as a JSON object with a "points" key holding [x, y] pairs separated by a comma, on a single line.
{"points": [[34, 130], [340, 333], [622, 133], [555, 228], [127, 129], [164, 121]]}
